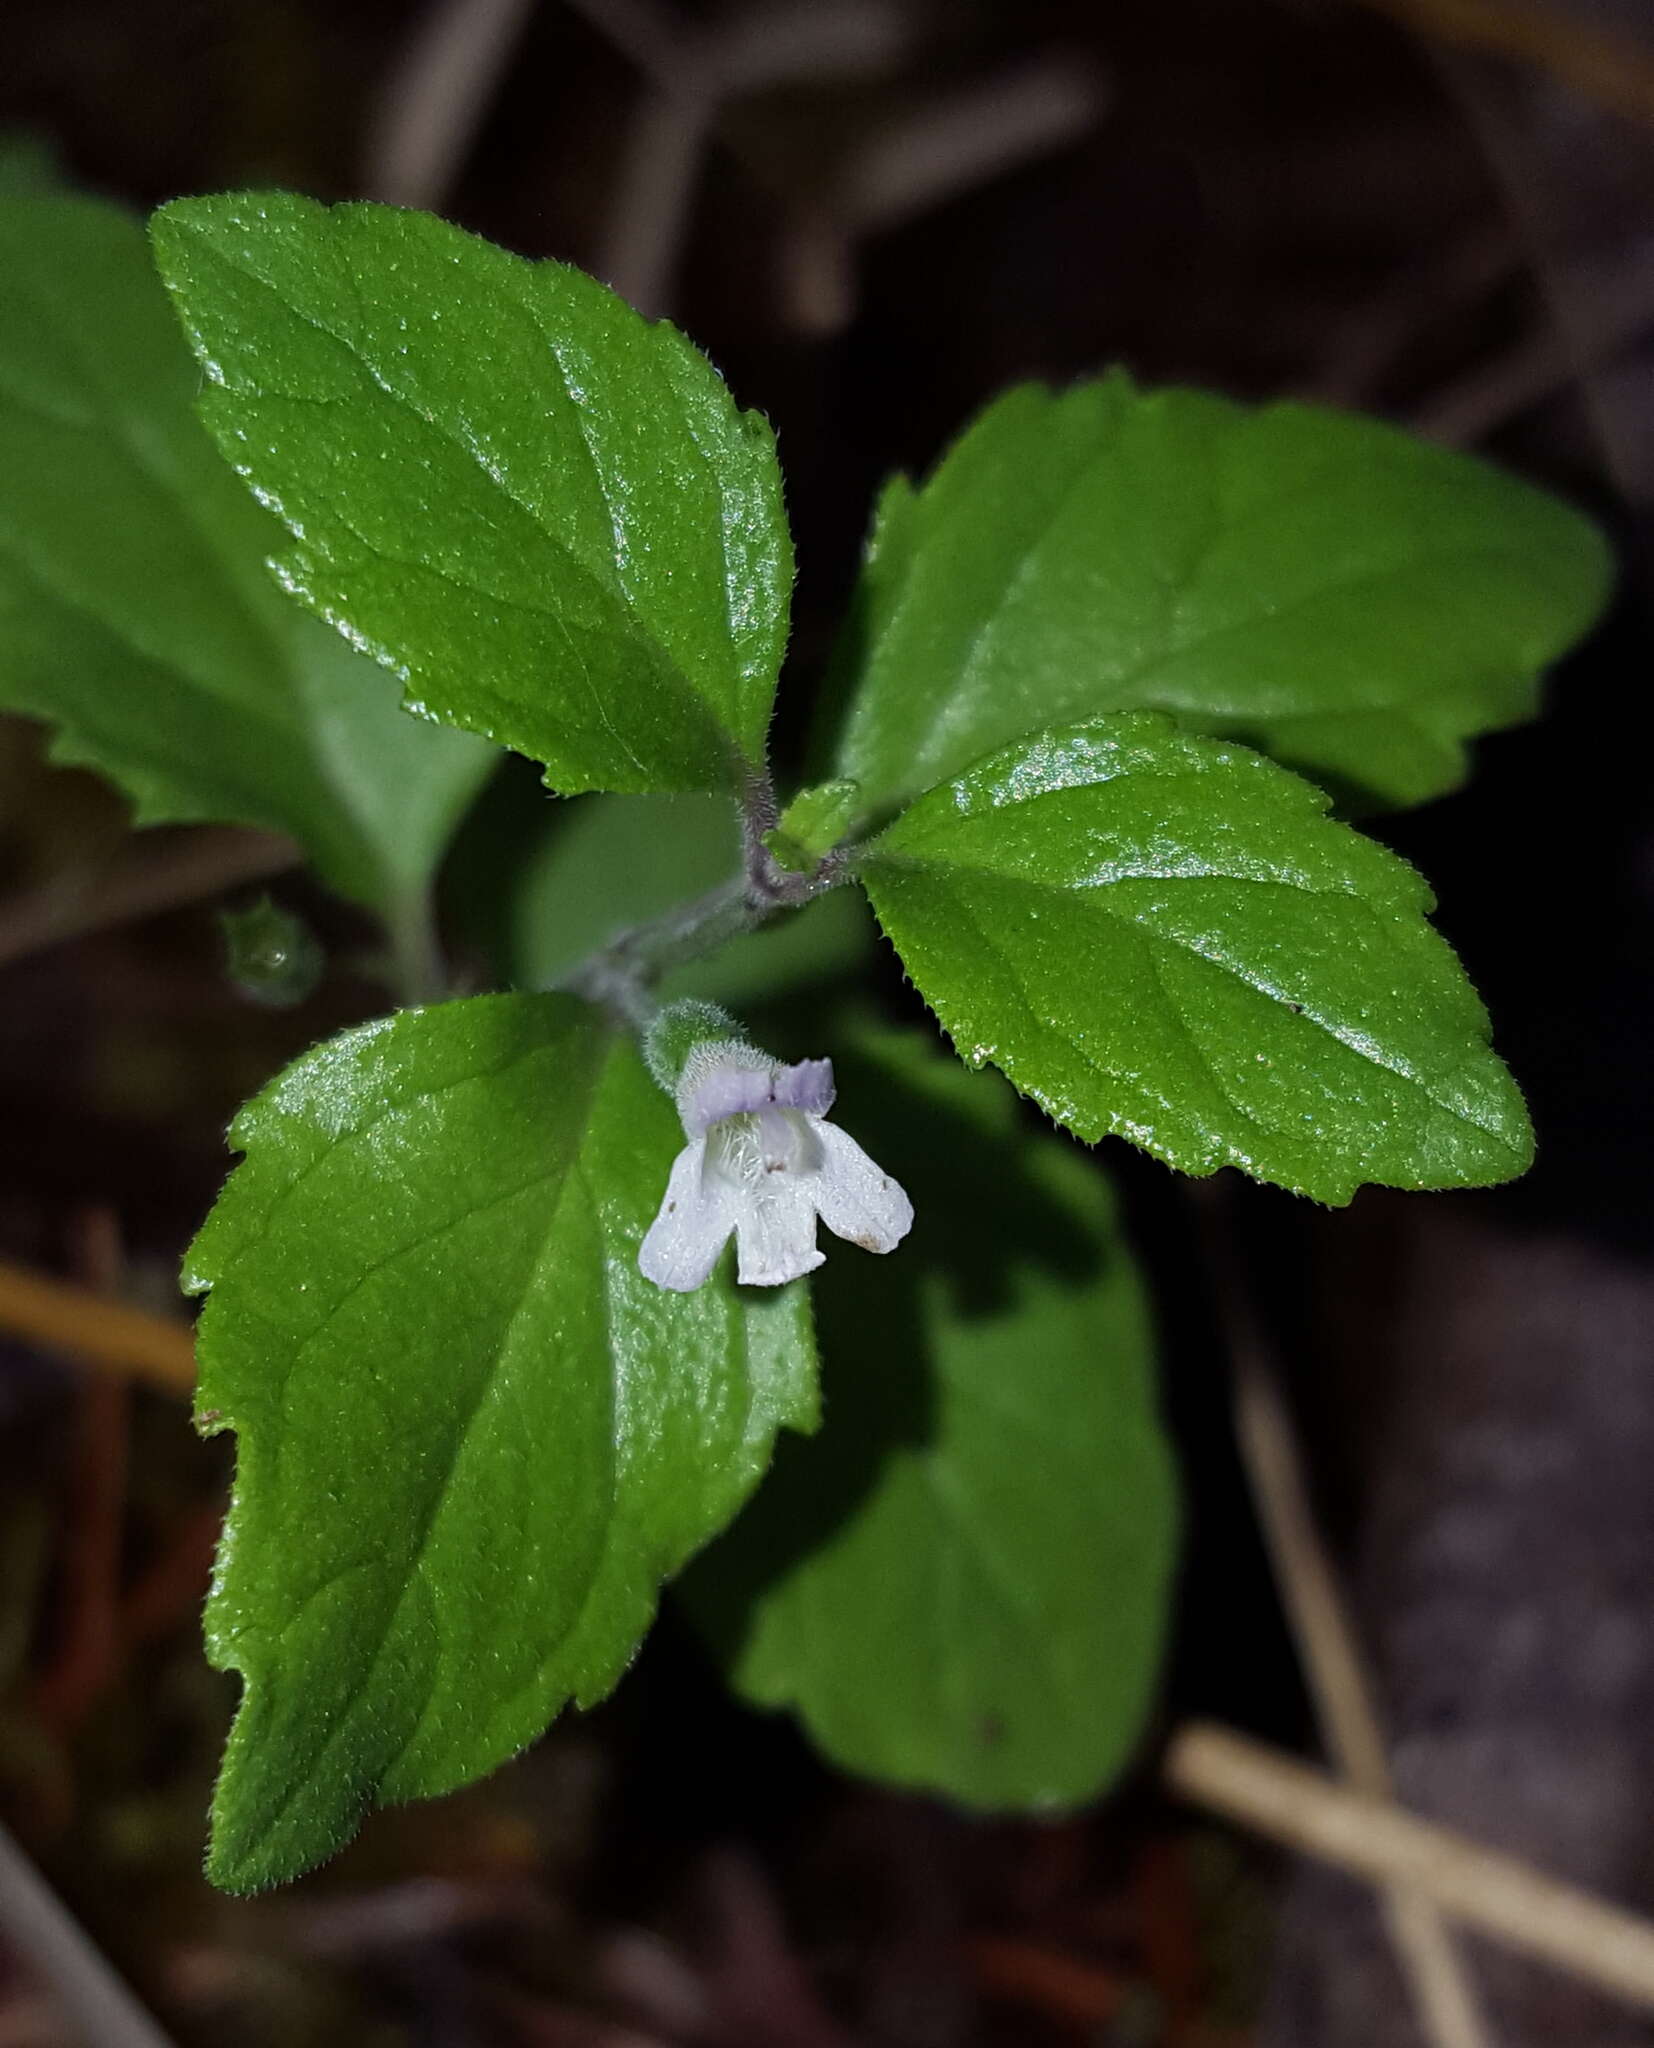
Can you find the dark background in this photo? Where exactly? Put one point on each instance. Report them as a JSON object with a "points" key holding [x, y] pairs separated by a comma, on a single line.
{"points": [[1444, 213]]}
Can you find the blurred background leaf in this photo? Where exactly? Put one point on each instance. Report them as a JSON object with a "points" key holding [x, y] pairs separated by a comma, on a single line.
{"points": [[139, 616], [30, 167], [963, 1582]]}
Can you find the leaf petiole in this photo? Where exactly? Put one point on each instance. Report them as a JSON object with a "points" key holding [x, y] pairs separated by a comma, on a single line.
{"points": [[620, 976], [414, 967]]}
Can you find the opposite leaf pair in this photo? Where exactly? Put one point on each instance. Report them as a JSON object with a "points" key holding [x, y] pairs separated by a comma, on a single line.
{"points": [[1153, 932], [570, 539], [549, 519], [498, 477]]}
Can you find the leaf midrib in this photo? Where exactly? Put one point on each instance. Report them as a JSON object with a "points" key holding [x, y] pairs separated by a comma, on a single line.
{"points": [[400, 401], [1087, 1057], [573, 1176], [940, 874], [1140, 675], [439, 1490]]}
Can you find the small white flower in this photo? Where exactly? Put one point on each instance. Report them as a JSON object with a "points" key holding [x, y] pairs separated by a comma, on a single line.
{"points": [[764, 1162]]}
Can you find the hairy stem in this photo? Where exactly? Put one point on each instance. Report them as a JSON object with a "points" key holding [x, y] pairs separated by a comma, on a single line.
{"points": [[621, 976], [416, 969]]}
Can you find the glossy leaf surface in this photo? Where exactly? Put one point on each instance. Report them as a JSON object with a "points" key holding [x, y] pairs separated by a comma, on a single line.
{"points": [[961, 1584], [472, 1439], [545, 514], [137, 615], [1350, 600], [1165, 937]]}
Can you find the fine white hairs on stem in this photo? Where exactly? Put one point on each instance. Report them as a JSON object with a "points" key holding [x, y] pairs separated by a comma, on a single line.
{"points": [[762, 1163]]}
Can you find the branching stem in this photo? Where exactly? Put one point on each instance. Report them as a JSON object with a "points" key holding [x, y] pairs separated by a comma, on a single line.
{"points": [[621, 975]]}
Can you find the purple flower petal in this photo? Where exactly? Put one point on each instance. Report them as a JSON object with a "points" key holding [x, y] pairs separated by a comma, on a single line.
{"points": [[808, 1086], [732, 1090], [726, 1091]]}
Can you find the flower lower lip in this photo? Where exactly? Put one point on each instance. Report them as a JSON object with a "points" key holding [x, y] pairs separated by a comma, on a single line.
{"points": [[763, 1164]]}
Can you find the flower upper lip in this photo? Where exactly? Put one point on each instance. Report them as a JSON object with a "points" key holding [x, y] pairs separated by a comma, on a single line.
{"points": [[763, 1164], [736, 1090]]}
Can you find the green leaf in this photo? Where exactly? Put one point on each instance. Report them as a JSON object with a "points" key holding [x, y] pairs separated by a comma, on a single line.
{"points": [[606, 862], [136, 613], [544, 513], [29, 166], [1163, 936], [962, 1584], [813, 824], [1346, 598], [472, 1438]]}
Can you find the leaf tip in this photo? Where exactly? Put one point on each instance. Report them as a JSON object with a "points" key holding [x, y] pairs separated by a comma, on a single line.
{"points": [[241, 1868]]}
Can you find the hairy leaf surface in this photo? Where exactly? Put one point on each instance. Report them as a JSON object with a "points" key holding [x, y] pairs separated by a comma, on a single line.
{"points": [[472, 1439], [1346, 598], [1165, 937], [544, 513]]}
